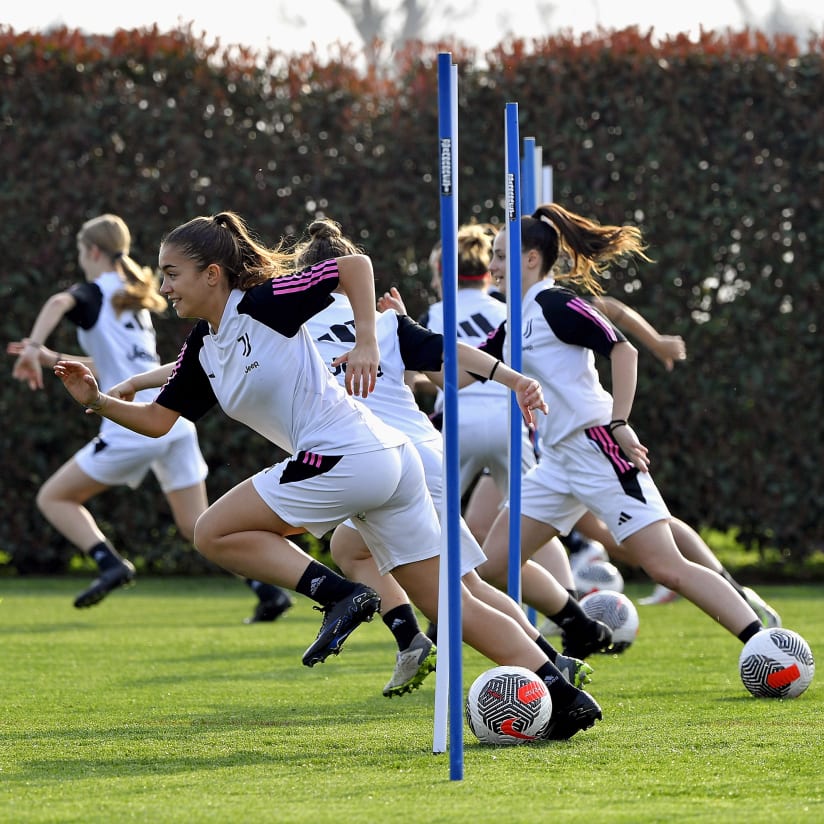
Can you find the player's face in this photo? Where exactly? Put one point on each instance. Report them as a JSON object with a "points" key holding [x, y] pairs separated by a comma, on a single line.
{"points": [[435, 268], [84, 259], [184, 285], [497, 266]]}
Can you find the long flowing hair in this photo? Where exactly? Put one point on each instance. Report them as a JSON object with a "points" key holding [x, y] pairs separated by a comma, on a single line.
{"points": [[111, 235], [590, 246], [225, 239]]}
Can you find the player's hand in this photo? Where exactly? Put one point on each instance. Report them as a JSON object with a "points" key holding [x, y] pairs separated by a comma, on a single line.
{"points": [[79, 382], [361, 368], [27, 367], [530, 399], [124, 391], [392, 300], [626, 438], [669, 349]]}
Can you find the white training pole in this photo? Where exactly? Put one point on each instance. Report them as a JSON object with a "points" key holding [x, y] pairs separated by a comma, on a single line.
{"points": [[546, 187]]}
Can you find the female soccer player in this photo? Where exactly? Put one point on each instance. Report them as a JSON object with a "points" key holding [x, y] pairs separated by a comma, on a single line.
{"points": [[591, 458], [251, 354], [111, 310], [405, 345]]}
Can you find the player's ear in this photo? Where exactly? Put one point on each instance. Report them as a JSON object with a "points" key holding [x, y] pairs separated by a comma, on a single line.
{"points": [[213, 272]]}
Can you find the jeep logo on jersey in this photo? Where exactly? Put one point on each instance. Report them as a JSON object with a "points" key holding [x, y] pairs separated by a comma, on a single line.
{"points": [[138, 353], [247, 346]]}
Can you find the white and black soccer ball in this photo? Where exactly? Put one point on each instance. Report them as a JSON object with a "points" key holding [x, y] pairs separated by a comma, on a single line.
{"points": [[508, 705], [776, 663], [597, 575], [591, 551], [617, 611]]}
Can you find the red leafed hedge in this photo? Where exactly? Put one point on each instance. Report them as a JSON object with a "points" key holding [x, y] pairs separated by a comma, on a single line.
{"points": [[714, 149]]}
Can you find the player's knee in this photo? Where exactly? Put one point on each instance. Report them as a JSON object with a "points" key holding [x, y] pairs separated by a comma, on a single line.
{"points": [[204, 537], [493, 571]]}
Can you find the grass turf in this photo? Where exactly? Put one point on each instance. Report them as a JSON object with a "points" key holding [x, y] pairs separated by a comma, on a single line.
{"points": [[159, 705]]}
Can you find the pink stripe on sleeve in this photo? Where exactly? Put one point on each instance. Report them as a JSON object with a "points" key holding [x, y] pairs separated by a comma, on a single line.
{"points": [[583, 308]]}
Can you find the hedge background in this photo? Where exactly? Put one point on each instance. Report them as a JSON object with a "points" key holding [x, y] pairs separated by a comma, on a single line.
{"points": [[713, 149]]}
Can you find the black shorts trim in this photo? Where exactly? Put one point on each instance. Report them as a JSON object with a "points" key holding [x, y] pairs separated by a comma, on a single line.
{"points": [[307, 465], [625, 470]]}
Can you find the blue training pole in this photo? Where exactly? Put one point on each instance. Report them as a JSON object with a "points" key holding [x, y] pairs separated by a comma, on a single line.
{"points": [[450, 520], [513, 326]]}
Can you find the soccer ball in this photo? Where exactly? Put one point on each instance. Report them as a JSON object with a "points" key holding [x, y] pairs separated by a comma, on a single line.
{"points": [[508, 705], [617, 611], [597, 575], [776, 663], [591, 551]]}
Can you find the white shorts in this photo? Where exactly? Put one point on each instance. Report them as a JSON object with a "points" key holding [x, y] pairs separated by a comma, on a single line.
{"points": [[483, 441], [120, 457], [431, 453], [588, 471], [385, 492]]}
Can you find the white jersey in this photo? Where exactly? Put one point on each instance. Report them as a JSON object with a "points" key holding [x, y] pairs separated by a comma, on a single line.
{"points": [[478, 315], [483, 408], [262, 368], [403, 344], [121, 344], [561, 334]]}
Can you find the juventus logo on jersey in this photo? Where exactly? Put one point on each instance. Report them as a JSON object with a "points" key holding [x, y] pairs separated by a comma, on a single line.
{"points": [[247, 346], [528, 329]]}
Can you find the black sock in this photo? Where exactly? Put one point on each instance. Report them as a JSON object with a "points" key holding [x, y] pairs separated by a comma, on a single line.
{"points": [[573, 593], [264, 591], [546, 648], [560, 690], [321, 584], [749, 631], [570, 614], [104, 555], [402, 624]]}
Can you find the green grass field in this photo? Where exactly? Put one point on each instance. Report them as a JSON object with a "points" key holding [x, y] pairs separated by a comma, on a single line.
{"points": [[159, 705]]}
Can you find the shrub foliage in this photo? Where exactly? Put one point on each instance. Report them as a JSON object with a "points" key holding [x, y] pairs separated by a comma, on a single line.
{"points": [[714, 149]]}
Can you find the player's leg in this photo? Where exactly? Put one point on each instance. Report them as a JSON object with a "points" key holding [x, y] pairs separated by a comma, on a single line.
{"points": [[244, 532], [539, 588], [693, 547], [416, 655], [62, 500], [575, 671], [552, 556], [500, 638], [653, 548], [482, 507]]}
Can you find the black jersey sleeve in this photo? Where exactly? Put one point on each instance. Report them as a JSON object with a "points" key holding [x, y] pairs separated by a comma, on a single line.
{"points": [[575, 321], [421, 348], [88, 303], [494, 343], [284, 304], [188, 391]]}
